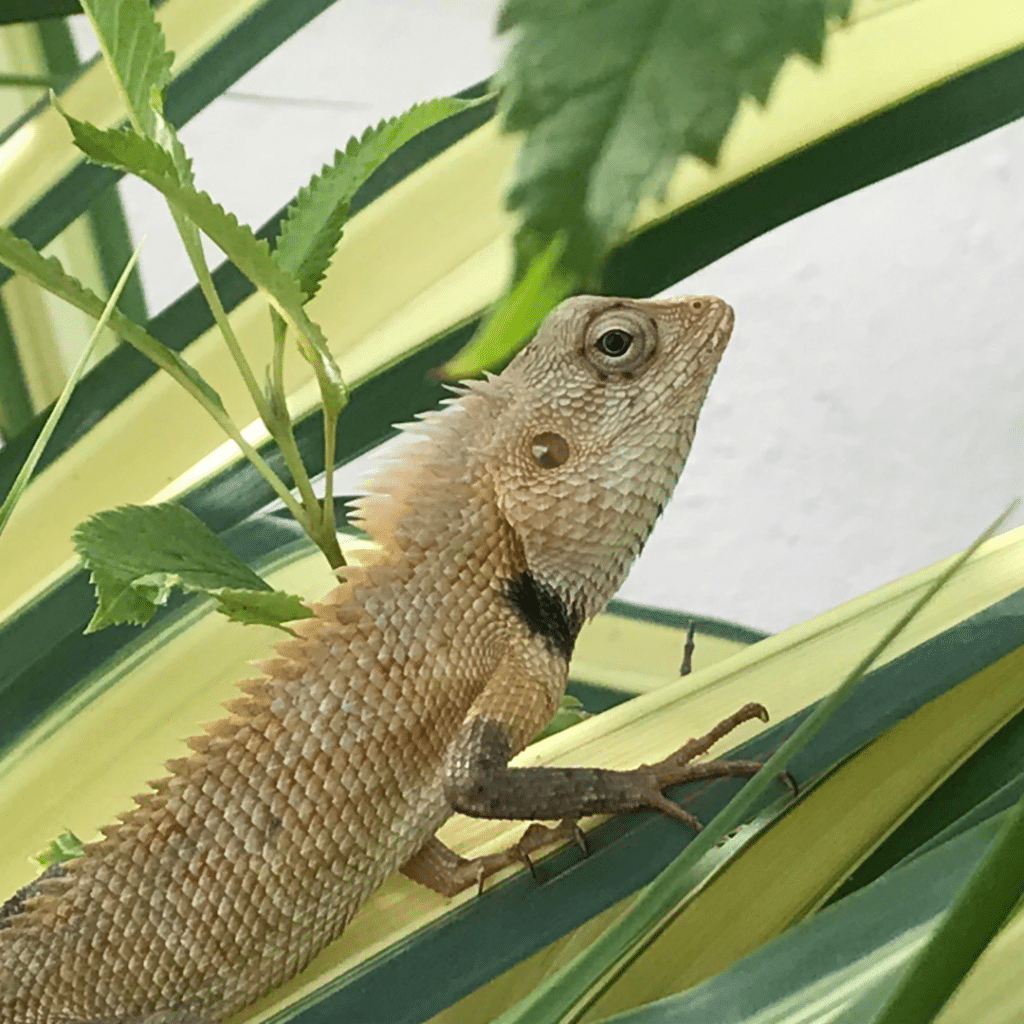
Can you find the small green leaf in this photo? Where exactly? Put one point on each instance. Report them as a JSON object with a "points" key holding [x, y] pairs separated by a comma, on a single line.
{"points": [[261, 607], [570, 712], [137, 554], [123, 601], [611, 93], [133, 45], [129, 151], [49, 274], [123, 148], [313, 223], [516, 316], [67, 846]]}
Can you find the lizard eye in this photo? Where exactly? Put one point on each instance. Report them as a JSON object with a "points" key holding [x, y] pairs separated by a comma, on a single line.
{"points": [[614, 343], [619, 341]]}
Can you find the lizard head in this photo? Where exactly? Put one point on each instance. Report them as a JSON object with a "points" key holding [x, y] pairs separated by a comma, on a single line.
{"points": [[601, 412]]}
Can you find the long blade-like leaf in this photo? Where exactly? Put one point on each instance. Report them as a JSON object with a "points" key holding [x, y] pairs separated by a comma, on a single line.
{"points": [[972, 922], [584, 979]]}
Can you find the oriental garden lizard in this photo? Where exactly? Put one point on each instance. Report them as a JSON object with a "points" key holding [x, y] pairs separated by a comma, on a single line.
{"points": [[511, 517]]}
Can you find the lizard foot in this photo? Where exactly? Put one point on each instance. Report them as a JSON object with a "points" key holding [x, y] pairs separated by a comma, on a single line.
{"points": [[443, 870], [536, 837], [678, 767]]}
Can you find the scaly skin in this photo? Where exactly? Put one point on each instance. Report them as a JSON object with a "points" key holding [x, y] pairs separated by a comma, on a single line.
{"points": [[509, 522]]}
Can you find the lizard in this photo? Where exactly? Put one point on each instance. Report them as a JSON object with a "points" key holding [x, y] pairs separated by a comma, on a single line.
{"points": [[511, 516]]}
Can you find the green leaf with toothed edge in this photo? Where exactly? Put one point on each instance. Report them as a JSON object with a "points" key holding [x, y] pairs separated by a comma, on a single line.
{"points": [[129, 151], [611, 93], [138, 554], [133, 44], [260, 607], [314, 220]]}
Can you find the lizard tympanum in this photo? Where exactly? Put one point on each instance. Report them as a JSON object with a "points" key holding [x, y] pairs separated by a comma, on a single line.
{"points": [[510, 518]]}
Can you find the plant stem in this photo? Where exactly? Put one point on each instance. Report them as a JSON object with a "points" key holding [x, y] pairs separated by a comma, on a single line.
{"points": [[328, 529], [285, 438]]}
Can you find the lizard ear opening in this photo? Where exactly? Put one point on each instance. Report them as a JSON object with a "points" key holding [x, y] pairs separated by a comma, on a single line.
{"points": [[549, 450]]}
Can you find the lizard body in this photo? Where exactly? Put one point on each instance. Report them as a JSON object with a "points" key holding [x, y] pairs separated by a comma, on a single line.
{"points": [[510, 520]]}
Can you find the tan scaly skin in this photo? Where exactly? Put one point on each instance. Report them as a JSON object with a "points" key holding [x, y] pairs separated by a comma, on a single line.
{"points": [[510, 521]]}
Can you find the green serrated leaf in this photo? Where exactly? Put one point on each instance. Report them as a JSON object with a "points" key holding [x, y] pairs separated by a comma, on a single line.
{"points": [[261, 607], [132, 152], [137, 554], [48, 273], [658, 79], [123, 148], [118, 601], [517, 315], [133, 44], [66, 846], [315, 218]]}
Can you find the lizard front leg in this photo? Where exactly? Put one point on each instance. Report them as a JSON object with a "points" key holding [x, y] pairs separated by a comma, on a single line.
{"points": [[479, 782]]}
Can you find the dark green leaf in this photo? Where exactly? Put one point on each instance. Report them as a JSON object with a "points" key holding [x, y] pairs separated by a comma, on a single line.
{"points": [[840, 964], [612, 92], [972, 923]]}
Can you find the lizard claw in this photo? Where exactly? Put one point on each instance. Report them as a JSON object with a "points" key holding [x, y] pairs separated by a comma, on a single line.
{"points": [[525, 858], [581, 839]]}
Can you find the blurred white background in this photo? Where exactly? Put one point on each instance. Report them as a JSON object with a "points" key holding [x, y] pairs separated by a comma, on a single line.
{"points": [[868, 416]]}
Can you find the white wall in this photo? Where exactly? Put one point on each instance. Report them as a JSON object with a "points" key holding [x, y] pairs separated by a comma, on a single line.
{"points": [[868, 417]]}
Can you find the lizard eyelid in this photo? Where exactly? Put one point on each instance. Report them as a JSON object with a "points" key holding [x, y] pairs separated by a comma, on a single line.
{"points": [[619, 342]]}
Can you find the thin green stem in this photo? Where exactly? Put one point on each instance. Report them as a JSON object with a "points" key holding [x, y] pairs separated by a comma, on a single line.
{"points": [[284, 437], [262, 467], [328, 529], [190, 239], [29, 465], [279, 327]]}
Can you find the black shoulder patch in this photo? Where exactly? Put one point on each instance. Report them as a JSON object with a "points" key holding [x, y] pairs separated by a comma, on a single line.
{"points": [[544, 613]]}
